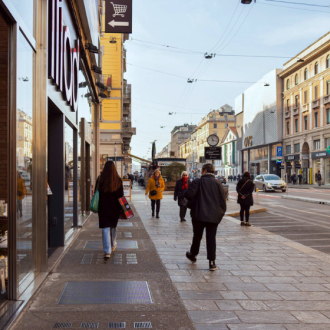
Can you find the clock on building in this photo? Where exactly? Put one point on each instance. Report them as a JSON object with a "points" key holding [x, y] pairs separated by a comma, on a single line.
{"points": [[213, 140]]}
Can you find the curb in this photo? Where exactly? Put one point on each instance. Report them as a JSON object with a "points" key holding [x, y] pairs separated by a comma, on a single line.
{"points": [[236, 214], [308, 200]]}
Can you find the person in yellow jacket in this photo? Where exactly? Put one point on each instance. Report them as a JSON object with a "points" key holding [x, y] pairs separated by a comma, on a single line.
{"points": [[21, 193], [155, 189]]}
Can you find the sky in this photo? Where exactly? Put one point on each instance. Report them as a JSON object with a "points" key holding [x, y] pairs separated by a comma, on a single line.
{"points": [[190, 28]]}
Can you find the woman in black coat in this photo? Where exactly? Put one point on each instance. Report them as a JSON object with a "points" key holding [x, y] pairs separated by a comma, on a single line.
{"points": [[244, 190], [110, 188], [181, 186]]}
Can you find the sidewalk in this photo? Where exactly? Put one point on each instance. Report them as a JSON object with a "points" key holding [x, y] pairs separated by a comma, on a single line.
{"points": [[263, 281]]}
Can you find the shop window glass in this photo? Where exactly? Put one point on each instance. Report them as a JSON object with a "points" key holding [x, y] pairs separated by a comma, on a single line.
{"points": [[297, 147], [305, 122], [68, 190], [296, 125], [288, 149], [328, 116], [24, 161], [317, 144], [316, 119], [26, 9], [327, 142], [327, 171]]}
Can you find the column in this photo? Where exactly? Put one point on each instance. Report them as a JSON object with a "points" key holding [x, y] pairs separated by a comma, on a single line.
{"points": [[291, 114], [310, 106], [300, 113], [321, 102]]}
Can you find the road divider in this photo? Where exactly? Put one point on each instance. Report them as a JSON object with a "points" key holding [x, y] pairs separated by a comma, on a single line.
{"points": [[308, 200]]}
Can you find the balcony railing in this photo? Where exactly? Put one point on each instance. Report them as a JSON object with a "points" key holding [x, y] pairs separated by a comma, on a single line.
{"points": [[326, 99], [315, 104], [287, 114], [295, 111], [126, 110], [304, 108], [130, 130]]}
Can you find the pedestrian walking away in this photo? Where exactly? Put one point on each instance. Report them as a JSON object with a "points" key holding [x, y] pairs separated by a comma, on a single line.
{"points": [[155, 189], [300, 178], [181, 187], [318, 178], [110, 190], [207, 201], [244, 190]]}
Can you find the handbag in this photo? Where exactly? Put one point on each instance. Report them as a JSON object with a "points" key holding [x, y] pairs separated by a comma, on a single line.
{"points": [[153, 192], [94, 206], [127, 212]]}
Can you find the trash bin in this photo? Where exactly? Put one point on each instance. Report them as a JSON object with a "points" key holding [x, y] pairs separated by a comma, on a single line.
{"points": [[226, 188]]}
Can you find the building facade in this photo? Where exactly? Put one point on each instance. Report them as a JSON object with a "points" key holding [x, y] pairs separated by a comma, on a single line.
{"points": [[306, 112], [178, 135], [50, 109], [116, 129], [259, 111]]}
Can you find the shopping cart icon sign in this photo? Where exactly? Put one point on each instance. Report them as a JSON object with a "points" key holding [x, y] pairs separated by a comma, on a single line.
{"points": [[119, 10]]}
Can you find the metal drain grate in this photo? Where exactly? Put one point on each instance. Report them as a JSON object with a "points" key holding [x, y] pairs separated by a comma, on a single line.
{"points": [[142, 325], [63, 325], [89, 325], [109, 292], [116, 325]]}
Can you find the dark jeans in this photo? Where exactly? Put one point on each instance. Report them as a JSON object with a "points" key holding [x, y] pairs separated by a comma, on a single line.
{"points": [[183, 211], [246, 209], [211, 231], [157, 202]]}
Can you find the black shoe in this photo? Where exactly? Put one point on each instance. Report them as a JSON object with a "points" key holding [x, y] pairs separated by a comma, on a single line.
{"points": [[212, 265], [157, 215], [191, 257], [183, 219], [242, 223], [153, 214], [248, 224]]}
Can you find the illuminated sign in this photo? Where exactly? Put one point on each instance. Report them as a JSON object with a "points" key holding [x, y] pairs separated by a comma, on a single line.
{"points": [[63, 66], [248, 141]]}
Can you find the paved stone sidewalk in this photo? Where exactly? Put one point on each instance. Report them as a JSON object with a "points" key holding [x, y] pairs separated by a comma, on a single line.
{"points": [[263, 281]]}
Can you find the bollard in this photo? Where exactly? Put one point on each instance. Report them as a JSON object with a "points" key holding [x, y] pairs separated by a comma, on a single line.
{"points": [[257, 190]]}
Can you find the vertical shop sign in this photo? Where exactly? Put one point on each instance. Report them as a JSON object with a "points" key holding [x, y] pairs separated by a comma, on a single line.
{"points": [[63, 61]]}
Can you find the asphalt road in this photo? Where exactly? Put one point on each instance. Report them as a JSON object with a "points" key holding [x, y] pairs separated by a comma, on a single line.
{"points": [[306, 223]]}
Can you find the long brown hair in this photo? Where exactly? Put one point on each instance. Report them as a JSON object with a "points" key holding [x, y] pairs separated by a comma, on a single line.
{"points": [[110, 181], [247, 175]]}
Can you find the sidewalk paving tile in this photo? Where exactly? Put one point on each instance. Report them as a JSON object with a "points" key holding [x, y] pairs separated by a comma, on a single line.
{"points": [[213, 317], [310, 317], [265, 317]]}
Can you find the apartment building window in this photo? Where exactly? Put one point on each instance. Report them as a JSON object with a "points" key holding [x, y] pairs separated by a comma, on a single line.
{"points": [[328, 116], [226, 125], [296, 101], [297, 147], [316, 119], [306, 74], [305, 123], [296, 125], [287, 128], [288, 149], [317, 144], [288, 84], [328, 87], [328, 61], [316, 68], [215, 126], [296, 80], [287, 105], [305, 97], [316, 92], [327, 142], [226, 117]]}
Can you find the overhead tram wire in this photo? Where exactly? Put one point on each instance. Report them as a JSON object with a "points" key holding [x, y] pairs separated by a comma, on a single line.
{"points": [[299, 3], [295, 8]]}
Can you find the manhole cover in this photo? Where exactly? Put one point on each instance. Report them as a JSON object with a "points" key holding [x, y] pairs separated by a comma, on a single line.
{"points": [[121, 245], [111, 292], [63, 325], [89, 325], [117, 325], [142, 325]]}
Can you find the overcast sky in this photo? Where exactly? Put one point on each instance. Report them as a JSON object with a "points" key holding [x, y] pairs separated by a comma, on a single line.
{"points": [[225, 27]]}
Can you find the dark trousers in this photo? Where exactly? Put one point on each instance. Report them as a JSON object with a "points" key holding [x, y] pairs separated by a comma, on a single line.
{"points": [[157, 203], [183, 211], [211, 231], [246, 209]]}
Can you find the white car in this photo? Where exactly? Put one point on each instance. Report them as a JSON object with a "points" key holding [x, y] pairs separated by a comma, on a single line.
{"points": [[269, 182]]}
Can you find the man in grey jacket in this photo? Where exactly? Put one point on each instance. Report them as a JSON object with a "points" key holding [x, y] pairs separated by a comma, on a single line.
{"points": [[207, 200]]}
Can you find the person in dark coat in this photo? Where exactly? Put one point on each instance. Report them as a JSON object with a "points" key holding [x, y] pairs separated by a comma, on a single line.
{"points": [[244, 190], [110, 188], [207, 201], [181, 187]]}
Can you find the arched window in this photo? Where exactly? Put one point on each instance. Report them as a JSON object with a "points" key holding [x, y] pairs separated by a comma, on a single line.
{"points": [[288, 84], [306, 74], [316, 69], [328, 62], [296, 79]]}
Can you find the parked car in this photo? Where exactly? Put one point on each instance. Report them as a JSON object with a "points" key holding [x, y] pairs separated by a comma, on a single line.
{"points": [[222, 179], [269, 182]]}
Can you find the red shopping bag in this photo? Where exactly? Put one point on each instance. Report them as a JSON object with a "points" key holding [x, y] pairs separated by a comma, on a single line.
{"points": [[127, 211]]}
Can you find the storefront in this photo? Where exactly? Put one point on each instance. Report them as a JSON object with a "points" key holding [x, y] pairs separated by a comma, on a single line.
{"points": [[48, 161], [319, 160], [292, 165]]}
